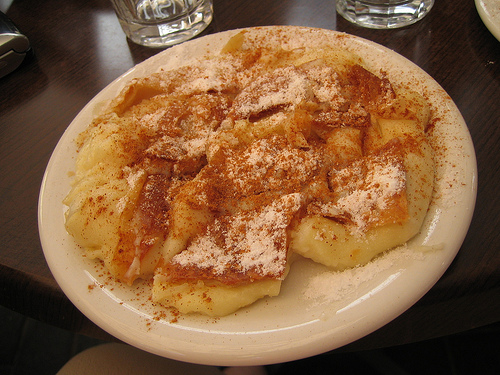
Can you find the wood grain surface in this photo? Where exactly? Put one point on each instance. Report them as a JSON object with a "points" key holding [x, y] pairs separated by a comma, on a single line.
{"points": [[79, 48]]}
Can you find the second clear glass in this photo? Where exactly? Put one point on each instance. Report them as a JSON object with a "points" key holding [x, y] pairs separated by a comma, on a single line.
{"points": [[383, 14]]}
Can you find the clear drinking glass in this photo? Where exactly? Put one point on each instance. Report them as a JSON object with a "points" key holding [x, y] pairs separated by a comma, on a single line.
{"points": [[161, 23], [383, 14]]}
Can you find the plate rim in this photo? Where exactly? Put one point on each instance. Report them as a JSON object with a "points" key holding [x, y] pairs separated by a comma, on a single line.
{"points": [[488, 19]]}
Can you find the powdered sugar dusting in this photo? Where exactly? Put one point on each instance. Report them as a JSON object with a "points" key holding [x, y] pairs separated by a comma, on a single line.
{"points": [[331, 286], [368, 185], [281, 87], [381, 183], [246, 242]]}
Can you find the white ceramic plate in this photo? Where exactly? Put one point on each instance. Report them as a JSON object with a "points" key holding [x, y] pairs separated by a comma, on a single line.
{"points": [[489, 11], [318, 310]]}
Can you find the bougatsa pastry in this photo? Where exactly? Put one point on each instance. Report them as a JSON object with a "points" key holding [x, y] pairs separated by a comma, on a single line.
{"points": [[212, 177]]}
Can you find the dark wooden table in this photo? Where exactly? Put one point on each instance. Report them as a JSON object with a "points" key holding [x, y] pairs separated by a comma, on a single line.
{"points": [[80, 48]]}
